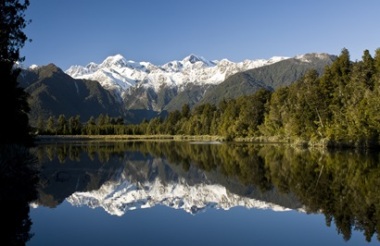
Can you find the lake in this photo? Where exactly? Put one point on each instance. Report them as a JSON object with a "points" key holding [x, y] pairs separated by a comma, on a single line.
{"points": [[199, 193]]}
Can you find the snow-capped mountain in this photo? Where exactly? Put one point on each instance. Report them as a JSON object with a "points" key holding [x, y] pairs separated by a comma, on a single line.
{"points": [[142, 90], [117, 74], [118, 197]]}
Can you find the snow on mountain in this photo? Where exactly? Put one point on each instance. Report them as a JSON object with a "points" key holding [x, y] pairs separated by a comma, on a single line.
{"points": [[117, 74], [308, 57], [118, 197], [33, 66]]}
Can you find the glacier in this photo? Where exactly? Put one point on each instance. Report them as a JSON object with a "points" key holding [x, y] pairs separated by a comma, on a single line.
{"points": [[118, 74]]}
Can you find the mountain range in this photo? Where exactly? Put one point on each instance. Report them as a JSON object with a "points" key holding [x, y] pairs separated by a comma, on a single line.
{"points": [[124, 77], [138, 90]]}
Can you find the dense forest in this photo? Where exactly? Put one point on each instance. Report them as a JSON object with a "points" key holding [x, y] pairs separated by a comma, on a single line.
{"points": [[337, 108]]}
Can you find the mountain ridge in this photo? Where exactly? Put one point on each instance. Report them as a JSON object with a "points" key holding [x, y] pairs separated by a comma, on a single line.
{"points": [[117, 74], [129, 88], [143, 85], [281, 73], [53, 92]]}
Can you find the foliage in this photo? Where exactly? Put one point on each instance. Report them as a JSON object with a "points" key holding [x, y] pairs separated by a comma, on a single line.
{"points": [[13, 99], [102, 125], [338, 108], [12, 22]]}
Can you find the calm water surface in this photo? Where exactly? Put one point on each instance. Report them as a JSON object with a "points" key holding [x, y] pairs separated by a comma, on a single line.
{"points": [[181, 193]]}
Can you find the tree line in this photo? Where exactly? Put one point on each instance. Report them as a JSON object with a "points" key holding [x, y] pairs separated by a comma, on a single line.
{"points": [[102, 125], [337, 108]]}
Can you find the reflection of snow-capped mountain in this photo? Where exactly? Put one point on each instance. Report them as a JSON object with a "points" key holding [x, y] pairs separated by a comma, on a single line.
{"points": [[117, 197]]}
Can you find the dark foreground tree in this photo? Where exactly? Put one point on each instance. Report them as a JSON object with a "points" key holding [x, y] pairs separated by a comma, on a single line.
{"points": [[14, 108]]}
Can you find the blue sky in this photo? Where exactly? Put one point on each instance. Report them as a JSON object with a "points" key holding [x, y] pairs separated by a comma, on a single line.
{"points": [[76, 32]]}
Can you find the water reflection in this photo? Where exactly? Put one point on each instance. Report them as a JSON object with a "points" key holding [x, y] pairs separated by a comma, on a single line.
{"points": [[129, 175], [18, 180]]}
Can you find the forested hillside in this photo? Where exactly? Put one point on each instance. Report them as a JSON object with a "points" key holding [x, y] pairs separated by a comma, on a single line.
{"points": [[336, 108], [52, 93]]}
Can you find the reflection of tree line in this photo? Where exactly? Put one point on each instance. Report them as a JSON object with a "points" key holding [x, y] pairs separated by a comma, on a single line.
{"points": [[73, 167], [100, 150], [18, 181], [342, 185], [228, 160]]}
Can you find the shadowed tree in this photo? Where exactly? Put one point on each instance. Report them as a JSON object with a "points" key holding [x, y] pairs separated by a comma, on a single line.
{"points": [[14, 126], [19, 178]]}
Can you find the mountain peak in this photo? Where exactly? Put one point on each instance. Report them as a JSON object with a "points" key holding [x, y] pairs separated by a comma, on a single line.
{"points": [[47, 71], [33, 67], [192, 58], [115, 60], [308, 57], [124, 77], [51, 67]]}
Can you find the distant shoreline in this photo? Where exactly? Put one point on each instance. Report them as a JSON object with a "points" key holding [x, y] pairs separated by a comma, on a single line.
{"points": [[69, 138], [198, 138]]}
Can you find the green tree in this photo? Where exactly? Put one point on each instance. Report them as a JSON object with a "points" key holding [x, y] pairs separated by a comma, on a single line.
{"points": [[376, 64], [273, 124], [153, 126], [75, 126], [13, 98], [91, 127], [230, 112], [340, 75], [368, 69], [62, 125], [41, 128], [205, 118], [171, 122], [101, 120], [252, 110], [185, 113], [50, 126]]}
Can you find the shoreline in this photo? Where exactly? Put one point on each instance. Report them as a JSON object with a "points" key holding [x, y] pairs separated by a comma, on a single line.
{"points": [[323, 144], [70, 138]]}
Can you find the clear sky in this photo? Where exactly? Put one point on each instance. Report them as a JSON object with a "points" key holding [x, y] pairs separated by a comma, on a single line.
{"points": [[76, 32]]}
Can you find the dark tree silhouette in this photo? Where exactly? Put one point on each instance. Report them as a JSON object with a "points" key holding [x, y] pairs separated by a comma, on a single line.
{"points": [[18, 178], [14, 125], [18, 181]]}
